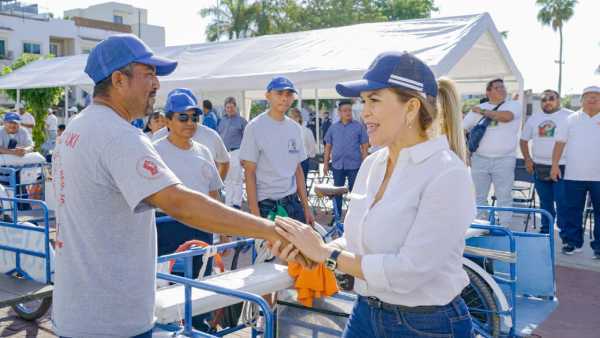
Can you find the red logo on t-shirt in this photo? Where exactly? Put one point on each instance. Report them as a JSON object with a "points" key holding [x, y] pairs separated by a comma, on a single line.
{"points": [[148, 168]]}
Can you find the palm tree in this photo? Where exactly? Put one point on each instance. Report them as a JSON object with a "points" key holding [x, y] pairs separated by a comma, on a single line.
{"points": [[555, 13], [232, 18]]}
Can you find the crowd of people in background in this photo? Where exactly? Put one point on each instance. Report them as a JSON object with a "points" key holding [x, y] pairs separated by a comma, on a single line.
{"points": [[558, 148]]}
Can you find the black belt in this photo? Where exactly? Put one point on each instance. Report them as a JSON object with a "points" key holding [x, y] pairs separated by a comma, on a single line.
{"points": [[283, 201], [234, 148], [377, 303]]}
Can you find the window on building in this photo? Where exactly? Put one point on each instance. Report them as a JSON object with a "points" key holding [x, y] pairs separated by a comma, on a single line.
{"points": [[118, 19], [32, 48], [2, 49]]}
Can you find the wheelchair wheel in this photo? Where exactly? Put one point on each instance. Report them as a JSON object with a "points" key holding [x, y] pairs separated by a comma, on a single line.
{"points": [[34, 309], [480, 300]]}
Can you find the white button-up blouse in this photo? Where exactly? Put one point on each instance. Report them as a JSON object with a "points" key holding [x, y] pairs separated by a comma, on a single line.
{"points": [[412, 239]]}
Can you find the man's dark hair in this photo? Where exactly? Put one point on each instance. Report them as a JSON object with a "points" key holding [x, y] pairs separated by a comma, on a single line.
{"points": [[552, 91], [231, 100], [489, 85], [102, 88], [62, 127], [344, 102], [206, 104]]}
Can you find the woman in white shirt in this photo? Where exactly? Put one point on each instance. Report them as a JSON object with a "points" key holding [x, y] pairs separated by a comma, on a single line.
{"points": [[412, 203], [310, 145]]}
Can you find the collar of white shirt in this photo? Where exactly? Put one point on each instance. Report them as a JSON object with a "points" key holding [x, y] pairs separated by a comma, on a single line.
{"points": [[419, 152]]}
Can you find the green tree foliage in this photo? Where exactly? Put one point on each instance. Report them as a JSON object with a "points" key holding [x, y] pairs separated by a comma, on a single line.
{"points": [[555, 13], [37, 100], [407, 9], [232, 19], [282, 16]]}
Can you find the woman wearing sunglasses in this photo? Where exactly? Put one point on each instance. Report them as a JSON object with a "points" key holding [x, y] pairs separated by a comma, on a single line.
{"points": [[409, 210]]}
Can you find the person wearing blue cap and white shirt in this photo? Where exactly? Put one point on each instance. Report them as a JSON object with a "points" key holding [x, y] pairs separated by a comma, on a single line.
{"points": [[581, 137], [107, 182], [495, 159], [271, 152], [14, 140], [411, 205], [192, 163], [205, 136]]}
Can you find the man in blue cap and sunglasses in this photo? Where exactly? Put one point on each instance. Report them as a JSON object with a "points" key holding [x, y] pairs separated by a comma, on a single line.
{"points": [[107, 181]]}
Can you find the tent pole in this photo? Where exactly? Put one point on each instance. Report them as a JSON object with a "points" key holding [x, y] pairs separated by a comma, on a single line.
{"points": [[66, 104], [244, 111], [18, 103], [318, 125]]}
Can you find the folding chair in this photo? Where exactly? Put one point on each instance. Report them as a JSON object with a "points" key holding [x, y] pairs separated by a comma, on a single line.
{"points": [[524, 190]]}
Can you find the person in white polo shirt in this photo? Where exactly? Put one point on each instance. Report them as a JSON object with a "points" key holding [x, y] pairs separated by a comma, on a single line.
{"points": [[581, 136], [541, 129], [494, 160]]}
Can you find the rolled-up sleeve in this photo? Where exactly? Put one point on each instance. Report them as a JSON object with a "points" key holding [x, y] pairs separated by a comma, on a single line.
{"points": [[445, 211]]}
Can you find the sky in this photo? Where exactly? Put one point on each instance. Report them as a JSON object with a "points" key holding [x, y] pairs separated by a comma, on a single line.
{"points": [[533, 48]]}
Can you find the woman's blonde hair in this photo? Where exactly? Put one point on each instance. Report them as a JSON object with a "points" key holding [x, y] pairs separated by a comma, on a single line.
{"points": [[445, 109]]}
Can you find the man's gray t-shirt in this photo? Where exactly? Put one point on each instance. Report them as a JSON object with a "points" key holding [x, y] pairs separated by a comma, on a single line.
{"points": [[277, 148], [106, 233], [21, 136], [195, 167]]}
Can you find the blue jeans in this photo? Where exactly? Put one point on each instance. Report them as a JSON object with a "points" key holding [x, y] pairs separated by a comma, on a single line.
{"points": [[305, 167], [339, 180], [451, 321], [551, 193], [577, 192]]}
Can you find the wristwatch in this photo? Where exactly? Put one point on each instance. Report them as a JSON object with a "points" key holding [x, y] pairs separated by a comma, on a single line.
{"points": [[331, 262]]}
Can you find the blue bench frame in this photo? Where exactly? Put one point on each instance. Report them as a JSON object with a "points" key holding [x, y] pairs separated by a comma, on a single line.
{"points": [[44, 228], [502, 238], [188, 282]]}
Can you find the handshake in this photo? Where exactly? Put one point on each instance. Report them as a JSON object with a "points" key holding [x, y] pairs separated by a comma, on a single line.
{"points": [[306, 246]]}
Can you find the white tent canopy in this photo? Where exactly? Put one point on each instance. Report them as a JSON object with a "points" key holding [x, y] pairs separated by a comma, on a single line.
{"points": [[467, 48]]}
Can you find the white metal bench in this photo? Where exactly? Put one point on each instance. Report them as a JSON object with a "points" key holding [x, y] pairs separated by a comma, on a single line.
{"points": [[258, 279]]}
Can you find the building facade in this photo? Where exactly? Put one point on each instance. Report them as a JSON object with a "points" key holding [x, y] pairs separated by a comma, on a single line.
{"points": [[23, 29]]}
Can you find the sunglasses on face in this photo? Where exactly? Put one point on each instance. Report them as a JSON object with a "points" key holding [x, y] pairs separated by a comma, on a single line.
{"points": [[186, 117], [549, 98]]}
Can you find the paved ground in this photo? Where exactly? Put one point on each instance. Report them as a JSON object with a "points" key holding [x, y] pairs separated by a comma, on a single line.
{"points": [[578, 277]]}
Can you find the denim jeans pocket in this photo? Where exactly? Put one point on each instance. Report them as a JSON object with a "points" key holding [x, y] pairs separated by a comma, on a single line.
{"points": [[436, 324]]}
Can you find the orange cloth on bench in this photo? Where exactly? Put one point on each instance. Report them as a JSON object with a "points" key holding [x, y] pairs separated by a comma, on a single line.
{"points": [[312, 283]]}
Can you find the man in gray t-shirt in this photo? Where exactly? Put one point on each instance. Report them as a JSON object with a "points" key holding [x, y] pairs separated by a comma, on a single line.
{"points": [[107, 182], [271, 152], [14, 140]]}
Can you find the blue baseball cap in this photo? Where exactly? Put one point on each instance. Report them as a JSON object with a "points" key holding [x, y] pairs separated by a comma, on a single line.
{"points": [[281, 83], [186, 91], [179, 103], [117, 51], [12, 117], [393, 69]]}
